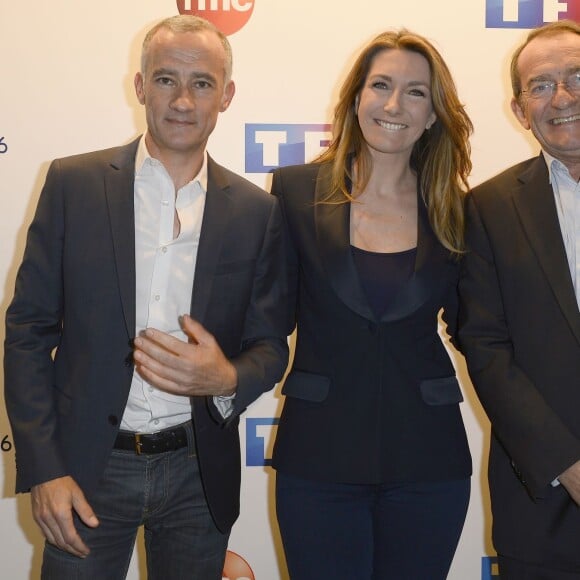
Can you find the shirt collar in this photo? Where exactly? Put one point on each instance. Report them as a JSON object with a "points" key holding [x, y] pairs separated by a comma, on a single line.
{"points": [[555, 167], [143, 160]]}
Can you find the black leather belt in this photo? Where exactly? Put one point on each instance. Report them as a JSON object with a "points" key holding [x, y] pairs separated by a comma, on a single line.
{"points": [[148, 443]]}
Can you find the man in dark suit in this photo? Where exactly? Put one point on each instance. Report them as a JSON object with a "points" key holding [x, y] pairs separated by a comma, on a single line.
{"points": [[156, 241], [520, 322]]}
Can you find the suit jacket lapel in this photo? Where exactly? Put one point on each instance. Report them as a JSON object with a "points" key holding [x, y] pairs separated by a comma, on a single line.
{"points": [[431, 264], [333, 238], [534, 202], [216, 216], [119, 192]]}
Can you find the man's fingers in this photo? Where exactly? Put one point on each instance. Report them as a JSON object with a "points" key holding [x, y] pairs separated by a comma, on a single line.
{"points": [[161, 382], [84, 510], [195, 368], [46, 532], [53, 503], [157, 368], [59, 530], [194, 330], [159, 345]]}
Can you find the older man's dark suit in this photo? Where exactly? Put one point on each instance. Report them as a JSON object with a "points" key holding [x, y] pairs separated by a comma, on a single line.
{"points": [[520, 332], [75, 292]]}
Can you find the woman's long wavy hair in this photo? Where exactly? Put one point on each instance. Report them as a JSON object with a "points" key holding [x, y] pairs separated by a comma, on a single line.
{"points": [[441, 156]]}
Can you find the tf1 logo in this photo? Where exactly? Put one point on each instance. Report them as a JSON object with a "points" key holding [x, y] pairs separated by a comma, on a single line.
{"points": [[228, 15], [529, 13], [489, 569], [260, 435], [269, 146]]}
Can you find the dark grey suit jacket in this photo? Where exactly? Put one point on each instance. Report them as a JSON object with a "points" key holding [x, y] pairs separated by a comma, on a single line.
{"points": [[68, 353], [520, 332]]}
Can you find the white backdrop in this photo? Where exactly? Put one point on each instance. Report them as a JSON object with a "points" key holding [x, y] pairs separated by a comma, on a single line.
{"points": [[67, 70]]}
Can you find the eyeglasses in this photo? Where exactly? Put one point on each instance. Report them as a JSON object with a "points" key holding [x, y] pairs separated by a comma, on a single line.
{"points": [[545, 89]]}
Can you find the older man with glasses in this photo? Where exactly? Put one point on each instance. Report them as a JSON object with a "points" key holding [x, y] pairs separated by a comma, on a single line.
{"points": [[520, 318]]}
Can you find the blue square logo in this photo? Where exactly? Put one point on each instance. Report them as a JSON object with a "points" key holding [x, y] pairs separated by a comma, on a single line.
{"points": [[529, 13], [272, 145], [489, 569], [259, 433]]}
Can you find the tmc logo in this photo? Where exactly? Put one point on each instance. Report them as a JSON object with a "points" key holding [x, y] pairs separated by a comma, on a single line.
{"points": [[260, 435], [269, 146], [529, 13], [228, 15], [489, 569], [236, 568]]}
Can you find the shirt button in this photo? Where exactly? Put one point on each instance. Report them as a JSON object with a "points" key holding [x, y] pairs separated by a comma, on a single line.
{"points": [[164, 249], [156, 422], [164, 202]]}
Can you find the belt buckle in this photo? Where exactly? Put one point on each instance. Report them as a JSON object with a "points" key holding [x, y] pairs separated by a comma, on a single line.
{"points": [[138, 443]]}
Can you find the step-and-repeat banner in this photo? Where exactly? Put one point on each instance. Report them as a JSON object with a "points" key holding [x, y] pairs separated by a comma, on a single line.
{"points": [[67, 69]]}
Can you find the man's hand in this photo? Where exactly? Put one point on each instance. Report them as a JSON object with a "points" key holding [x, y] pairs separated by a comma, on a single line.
{"points": [[53, 503], [570, 479], [194, 368]]}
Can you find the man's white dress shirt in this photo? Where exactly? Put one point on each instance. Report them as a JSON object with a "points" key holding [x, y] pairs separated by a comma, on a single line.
{"points": [[164, 273]]}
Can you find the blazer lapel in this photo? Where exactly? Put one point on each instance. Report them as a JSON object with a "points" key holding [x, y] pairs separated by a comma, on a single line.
{"points": [[333, 238], [534, 202], [431, 265], [119, 192], [216, 216]]}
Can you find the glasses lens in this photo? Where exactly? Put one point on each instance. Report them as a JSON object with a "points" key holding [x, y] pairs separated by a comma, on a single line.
{"points": [[574, 82], [541, 89], [544, 89]]}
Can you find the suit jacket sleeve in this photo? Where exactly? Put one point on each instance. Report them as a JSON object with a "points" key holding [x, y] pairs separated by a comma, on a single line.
{"points": [[264, 352], [33, 330], [538, 442], [291, 257]]}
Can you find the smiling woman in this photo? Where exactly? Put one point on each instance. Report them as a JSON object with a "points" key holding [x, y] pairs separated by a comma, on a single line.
{"points": [[375, 232], [394, 107]]}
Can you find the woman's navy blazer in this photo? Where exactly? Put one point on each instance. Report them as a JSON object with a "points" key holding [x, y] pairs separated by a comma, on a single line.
{"points": [[368, 400]]}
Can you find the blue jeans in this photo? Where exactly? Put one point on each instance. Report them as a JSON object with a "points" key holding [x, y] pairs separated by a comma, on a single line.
{"points": [[381, 532], [162, 492]]}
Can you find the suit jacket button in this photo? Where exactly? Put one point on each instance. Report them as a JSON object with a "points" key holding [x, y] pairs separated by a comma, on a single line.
{"points": [[113, 420], [128, 361]]}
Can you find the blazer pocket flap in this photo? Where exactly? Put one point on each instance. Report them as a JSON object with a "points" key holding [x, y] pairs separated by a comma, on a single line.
{"points": [[443, 391], [307, 386]]}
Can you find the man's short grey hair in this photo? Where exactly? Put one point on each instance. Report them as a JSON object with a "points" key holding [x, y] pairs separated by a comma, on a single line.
{"points": [[188, 23]]}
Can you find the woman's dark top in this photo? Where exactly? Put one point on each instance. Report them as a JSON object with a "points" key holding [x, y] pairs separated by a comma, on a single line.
{"points": [[382, 275]]}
